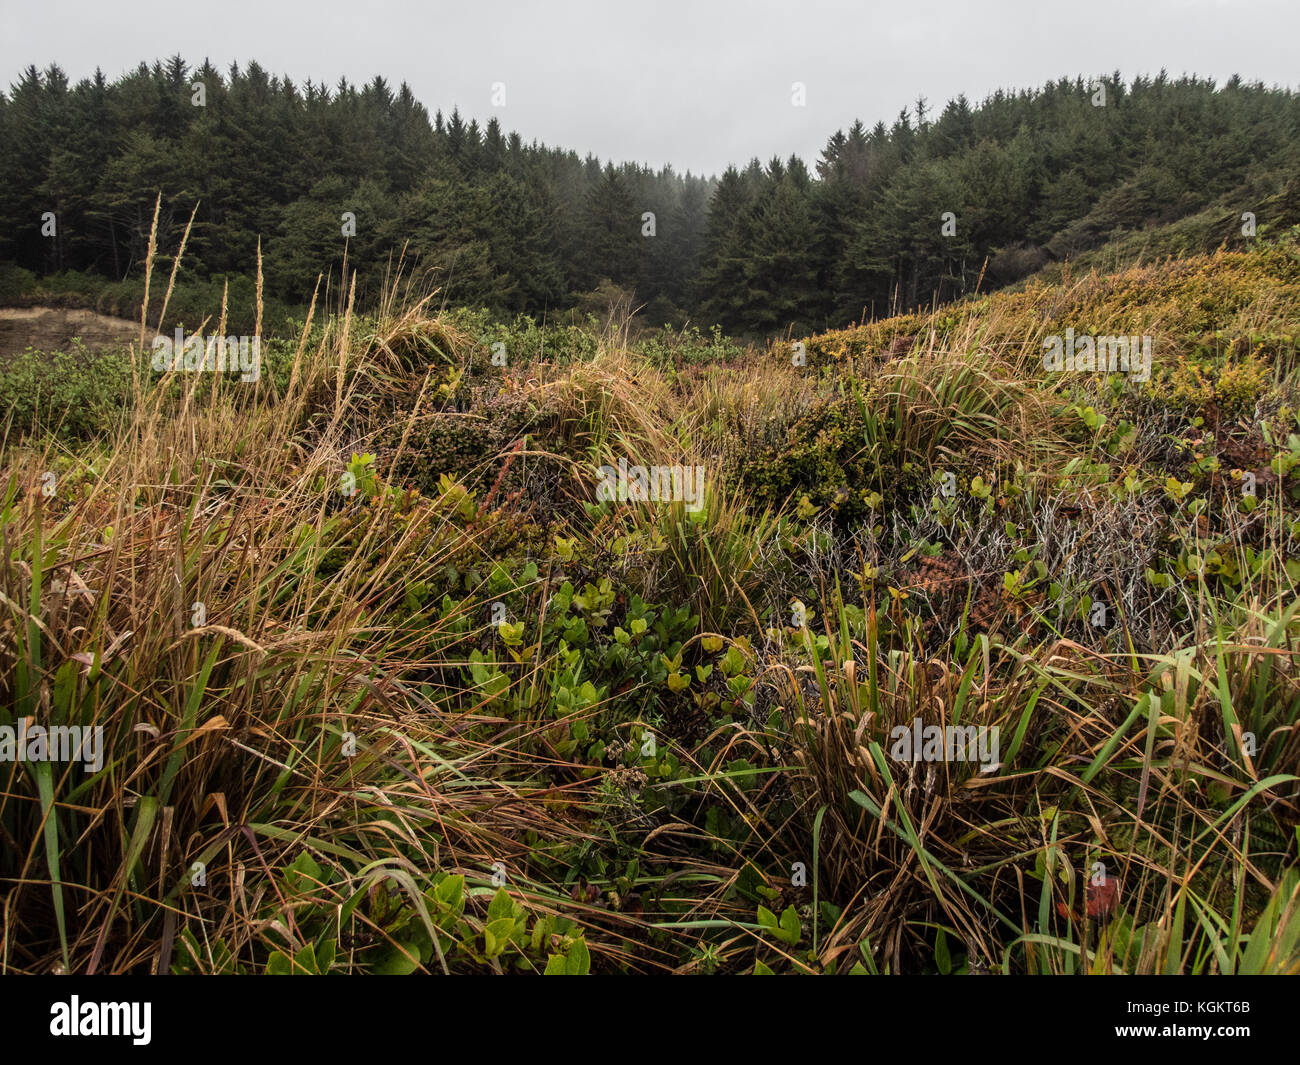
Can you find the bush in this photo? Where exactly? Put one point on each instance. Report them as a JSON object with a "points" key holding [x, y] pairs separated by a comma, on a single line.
{"points": [[79, 393]]}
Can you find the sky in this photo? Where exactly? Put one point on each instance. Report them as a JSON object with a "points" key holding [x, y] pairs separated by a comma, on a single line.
{"points": [[697, 85]]}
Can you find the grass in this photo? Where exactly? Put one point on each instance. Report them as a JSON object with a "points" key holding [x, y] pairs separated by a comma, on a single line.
{"points": [[386, 688]]}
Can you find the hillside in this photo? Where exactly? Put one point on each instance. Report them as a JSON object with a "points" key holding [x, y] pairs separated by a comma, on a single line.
{"points": [[384, 652]]}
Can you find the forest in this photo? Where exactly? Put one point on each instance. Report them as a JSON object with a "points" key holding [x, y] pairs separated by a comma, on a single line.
{"points": [[888, 218]]}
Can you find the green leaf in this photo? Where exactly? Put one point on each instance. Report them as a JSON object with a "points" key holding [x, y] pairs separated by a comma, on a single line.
{"points": [[789, 931], [402, 959], [578, 960], [501, 906], [451, 892]]}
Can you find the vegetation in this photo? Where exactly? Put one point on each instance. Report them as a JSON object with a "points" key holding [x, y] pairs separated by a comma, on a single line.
{"points": [[386, 686], [362, 175]]}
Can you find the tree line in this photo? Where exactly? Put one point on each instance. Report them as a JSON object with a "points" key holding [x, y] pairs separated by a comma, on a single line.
{"points": [[887, 218]]}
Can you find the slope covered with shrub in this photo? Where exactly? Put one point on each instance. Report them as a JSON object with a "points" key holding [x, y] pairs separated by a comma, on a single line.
{"points": [[387, 687]]}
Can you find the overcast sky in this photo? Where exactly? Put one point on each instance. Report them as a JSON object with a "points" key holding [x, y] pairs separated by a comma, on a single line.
{"points": [[697, 84]]}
